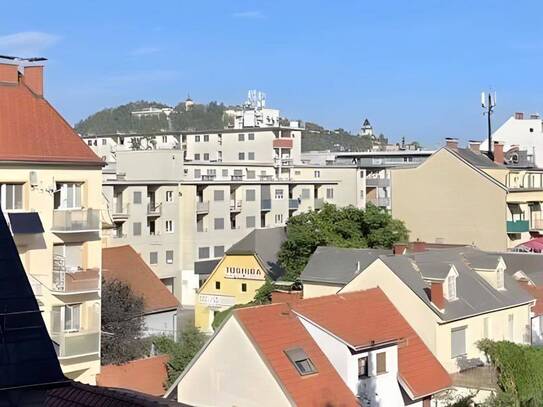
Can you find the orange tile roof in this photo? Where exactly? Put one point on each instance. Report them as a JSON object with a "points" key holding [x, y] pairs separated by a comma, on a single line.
{"points": [[144, 375], [274, 328], [363, 317], [537, 293], [123, 263], [32, 130]]}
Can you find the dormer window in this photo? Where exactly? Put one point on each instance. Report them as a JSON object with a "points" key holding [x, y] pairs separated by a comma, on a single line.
{"points": [[450, 285], [301, 361], [500, 279]]}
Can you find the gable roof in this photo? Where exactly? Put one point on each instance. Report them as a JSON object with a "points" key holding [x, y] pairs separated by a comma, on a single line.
{"points": [[530, 264], [274, 329], [123, 263], [144, 375], [32, 130], [364, 319], [336, 265], [477, 160], [265, 243]]}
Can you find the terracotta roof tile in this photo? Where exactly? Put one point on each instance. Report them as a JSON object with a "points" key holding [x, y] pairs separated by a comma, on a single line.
{"points": [[143, 375], [362, 317], [32, 130], [273, 329], [123, 263], [537, 293]]}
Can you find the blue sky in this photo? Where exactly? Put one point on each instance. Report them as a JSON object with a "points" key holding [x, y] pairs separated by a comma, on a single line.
{"points": [[414, 68]]}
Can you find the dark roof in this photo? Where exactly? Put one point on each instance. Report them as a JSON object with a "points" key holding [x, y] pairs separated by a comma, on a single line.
{"points": [[265, 243], [477, 160], [336, 265], [25, 222], [205, 266], [530, 264]]}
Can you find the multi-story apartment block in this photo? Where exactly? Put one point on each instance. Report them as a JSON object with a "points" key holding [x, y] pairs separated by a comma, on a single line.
{"points": [[50, 193]]}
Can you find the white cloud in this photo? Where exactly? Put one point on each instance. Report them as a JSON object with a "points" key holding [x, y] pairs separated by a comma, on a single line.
{"points": [[248, 14], [144, 51], [27, 43]]}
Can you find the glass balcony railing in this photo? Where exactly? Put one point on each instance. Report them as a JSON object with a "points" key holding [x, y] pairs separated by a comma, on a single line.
{"points": [[518, 226], [70, 282], [74, 344], [202, 207], [265, 204], [76, 220], [293, 204]]}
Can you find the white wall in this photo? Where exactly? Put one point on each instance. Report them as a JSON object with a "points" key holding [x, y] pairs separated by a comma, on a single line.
{"points": [[517, 132]]}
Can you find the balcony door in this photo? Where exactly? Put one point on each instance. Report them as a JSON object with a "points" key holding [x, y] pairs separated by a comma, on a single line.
{"points": [[66, 318], [68, 257], [68, 195]]}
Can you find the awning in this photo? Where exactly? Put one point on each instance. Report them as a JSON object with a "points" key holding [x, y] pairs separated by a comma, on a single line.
{"points": [[25, 222], [534, 245]]}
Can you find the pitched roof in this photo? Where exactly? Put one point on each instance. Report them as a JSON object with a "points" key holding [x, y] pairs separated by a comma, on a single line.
{"points": [[367, 318], [530, 264], [477, 160], [143, 375], [338, 265], [274, 329], [32, 130], [265, 243], [123, 263]]}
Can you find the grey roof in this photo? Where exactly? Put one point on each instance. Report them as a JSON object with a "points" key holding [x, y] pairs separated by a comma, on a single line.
{"points": [[478, 160], [475, 294], [265, 243], [205, 266], [530, 264], [338, 265]]}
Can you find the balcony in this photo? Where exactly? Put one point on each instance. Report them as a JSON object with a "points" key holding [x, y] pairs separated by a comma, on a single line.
{"points": [[265, 205], [283, 161], [282, 143], [377, 182], [266, 177], [537, 224], [236, 177], [202, 207], [518, 226], [319, 203], [153, 210], [383, 202], [120, 212], [76, 344], [235, 206], [76, 220], [72, 282], [293, 204], [208, 177]]}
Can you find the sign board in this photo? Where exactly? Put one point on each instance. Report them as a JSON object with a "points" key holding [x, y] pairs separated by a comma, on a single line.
{"points": [[214, 301], [244, 273]]}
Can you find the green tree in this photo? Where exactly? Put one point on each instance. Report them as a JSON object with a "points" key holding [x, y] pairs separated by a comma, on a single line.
{"points": [[181, 352], [122, 324], [344, 227]]}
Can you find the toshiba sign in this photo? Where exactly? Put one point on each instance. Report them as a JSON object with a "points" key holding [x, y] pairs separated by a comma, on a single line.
{"points": [[242, 272]]}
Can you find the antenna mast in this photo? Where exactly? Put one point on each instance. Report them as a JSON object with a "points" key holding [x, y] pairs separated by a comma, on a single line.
{"points": [[488, 104]]}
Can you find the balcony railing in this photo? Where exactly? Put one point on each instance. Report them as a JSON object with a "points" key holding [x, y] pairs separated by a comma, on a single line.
{"points": [[74, 344], [76, 220], [377, 182], [266, 177], [235, 206], [283, 161], [265, 205], [202, 207], [154, 210], [537, 224], [70, 282], [518, 226], [319, 203], [293, 204], [216, 301], [208, 177], [236, 177], [121, 212]]}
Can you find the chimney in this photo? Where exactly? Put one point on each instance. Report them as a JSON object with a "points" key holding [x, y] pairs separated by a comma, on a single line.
{"points": [[9, 71], [418, 247], [519, 116], [451, 143], [399, 249], [33, 78], [436, 294], [475, 146], [499, 157]]}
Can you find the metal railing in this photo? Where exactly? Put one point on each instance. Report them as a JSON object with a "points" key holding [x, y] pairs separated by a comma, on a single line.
{"points": [[235, 206], [383, 202], [236, 177], [76, 220], [378, 182], [154, 210], [266, 177], [293, 204], [68, 281], [208, 177]]}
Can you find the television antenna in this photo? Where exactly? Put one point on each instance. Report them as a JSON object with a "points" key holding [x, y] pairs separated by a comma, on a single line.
{"points": [[488, 102]]}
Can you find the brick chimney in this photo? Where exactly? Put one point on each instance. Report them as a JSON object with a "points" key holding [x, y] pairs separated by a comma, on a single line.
{"points": [[451, 143], [418, 246], [9, 71], [436, 294], [33, 78], [399, 249], [475, 146], [519, 116], [499, 156]]}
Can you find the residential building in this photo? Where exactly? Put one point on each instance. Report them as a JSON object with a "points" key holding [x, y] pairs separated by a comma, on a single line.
{"points": [[459, 195], [237, 277], [124, 264], [349, 350], [51, 193], [451, 297]]}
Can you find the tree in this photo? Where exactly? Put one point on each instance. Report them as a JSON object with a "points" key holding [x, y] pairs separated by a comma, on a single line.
{"points": [[181, 352], [344, 227], [122, 323]]}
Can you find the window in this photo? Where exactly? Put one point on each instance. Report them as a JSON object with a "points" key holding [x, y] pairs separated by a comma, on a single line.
{"points": [[225, 173], [317, 174], [169, 226], [381, 362], [306, 193], [251, 174], [169, 256], [169, 283], [197, 174], [250, 221], [251, 156], [329, 193], [500, 283], [301, 361], [67, 196], [104, 141], [217, 285], [89, 142], [206, 156], [153, 258], [137, 197], [152, 227], [218, 251], [251, 136], [203, 253], [363, 367], [136, 229], [197, 139], [243, 287], [241, 137], [72, 317], [219, 223], [531, 130], [197, 157], [486, 328], [250, 195], [218, 196], [279, 218], [458, 342], [450, 293], [164, 139], [206, 138], [11, 196], [361, 174], [511, 327], [169, 196], [241, 156], [278, 194]]}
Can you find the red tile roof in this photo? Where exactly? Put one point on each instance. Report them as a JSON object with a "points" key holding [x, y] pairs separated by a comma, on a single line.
{"points": [[32, 130], [123, 263], [365, 317], [144, 375], [273, 329], [537, 293]]}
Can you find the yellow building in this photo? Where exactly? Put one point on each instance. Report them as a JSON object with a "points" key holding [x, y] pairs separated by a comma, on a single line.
{"points": [[460, 196], [239, 274], [50, 193]]}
